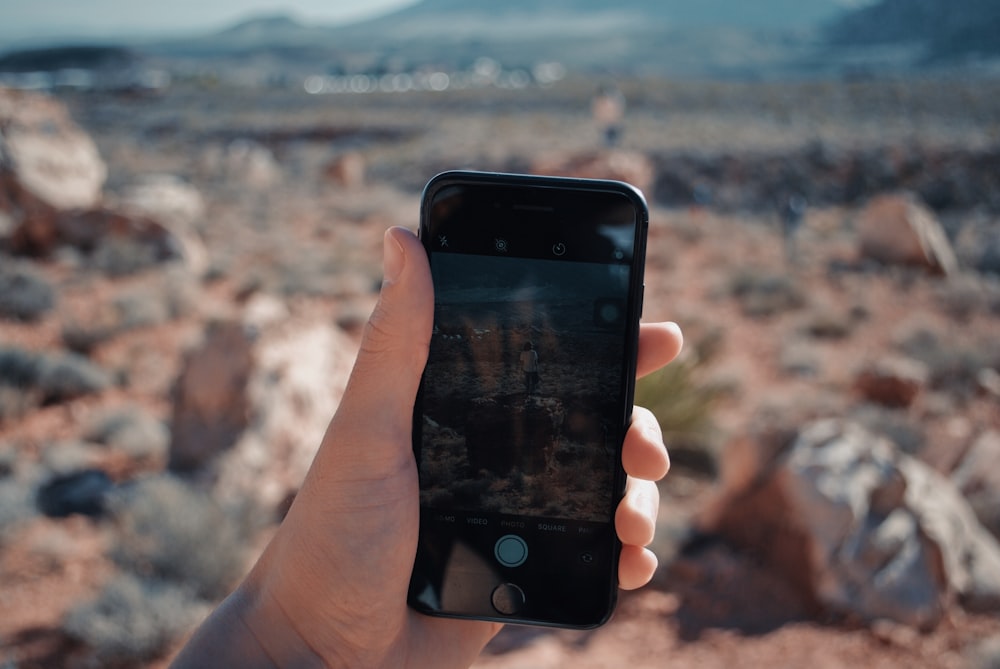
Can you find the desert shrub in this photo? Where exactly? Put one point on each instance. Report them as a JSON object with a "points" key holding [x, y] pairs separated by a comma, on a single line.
{"points": [[24, 294], [137, 309], [162, 297], [16, 506], [121, 257], [28, 379], [168, 530], [827, 323], [131, 431], [133, 620], [964, 296], [18, 375], [762, 293], [683, 404], [953, 368], [85, 337], [67, 376]]}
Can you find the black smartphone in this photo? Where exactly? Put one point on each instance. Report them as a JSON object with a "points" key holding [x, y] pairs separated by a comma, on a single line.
{"points": [[527, 394]]}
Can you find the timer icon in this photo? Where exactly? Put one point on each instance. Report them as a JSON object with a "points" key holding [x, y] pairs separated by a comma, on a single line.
{"points": [[558, 249]]}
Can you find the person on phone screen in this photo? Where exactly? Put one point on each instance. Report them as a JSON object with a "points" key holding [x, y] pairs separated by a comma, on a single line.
{"points": [[330, 588], [529, 365]]}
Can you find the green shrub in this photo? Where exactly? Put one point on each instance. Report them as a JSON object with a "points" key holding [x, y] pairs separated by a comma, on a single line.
{"points": [[683, 404]]}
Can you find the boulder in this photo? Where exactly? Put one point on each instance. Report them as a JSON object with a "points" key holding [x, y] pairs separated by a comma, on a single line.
{"points": [[254, 400], [47, 153], [175, 205], [346, 170], [860, 529], [898, 229], [119, 242], [299, 370], [211, 409], [83, 492], [978, 477], [892, 382], [47, 165]]}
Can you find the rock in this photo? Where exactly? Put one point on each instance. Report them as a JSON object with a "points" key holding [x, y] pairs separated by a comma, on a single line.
{"points": [[83, 492], [243, 161], [346, 170], [892, 382], [628, 166], [978, 477], [298, 373], [47, 154], [899, 230], [166, 198], [211, 409], [177, 206], [121, 243], [860, 529], [47, 165]]}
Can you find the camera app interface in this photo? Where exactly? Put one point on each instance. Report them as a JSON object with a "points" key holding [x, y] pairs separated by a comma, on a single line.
{"points": [[523, 393]]}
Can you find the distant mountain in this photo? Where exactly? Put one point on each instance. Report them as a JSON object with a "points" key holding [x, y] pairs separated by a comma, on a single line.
{"points": [[709, 38], [944, 29], [441, 15]]}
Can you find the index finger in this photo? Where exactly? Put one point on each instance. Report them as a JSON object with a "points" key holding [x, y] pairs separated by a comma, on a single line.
{"points": [[659, 343]]}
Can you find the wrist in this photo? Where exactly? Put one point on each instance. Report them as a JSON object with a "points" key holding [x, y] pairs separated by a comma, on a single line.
{"points": [[247, 630]]}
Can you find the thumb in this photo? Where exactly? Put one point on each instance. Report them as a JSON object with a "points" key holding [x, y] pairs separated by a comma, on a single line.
{"points": [[378, 400]]}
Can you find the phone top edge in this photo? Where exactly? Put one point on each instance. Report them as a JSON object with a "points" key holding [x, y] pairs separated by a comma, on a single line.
{"points": [[457, 177]]}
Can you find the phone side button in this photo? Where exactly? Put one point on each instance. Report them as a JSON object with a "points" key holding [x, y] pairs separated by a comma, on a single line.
{"points": [[508, 599]]}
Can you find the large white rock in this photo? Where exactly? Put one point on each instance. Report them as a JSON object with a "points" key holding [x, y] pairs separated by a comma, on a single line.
{"points": [[255, 400], [47, 153], [860, 528]]}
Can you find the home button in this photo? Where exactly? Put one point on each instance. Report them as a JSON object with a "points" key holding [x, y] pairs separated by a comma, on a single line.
{"points": [[508, 599]]}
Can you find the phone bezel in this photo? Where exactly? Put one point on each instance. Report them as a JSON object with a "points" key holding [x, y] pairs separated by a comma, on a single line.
{"points": [[534, 192]]}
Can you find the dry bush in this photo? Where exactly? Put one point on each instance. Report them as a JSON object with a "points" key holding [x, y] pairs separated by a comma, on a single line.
{"points": [[954, 368], [24, 293], [133, 620], [131, 431], [966, 296], [763, 293], [16, 506], [170, 531]]}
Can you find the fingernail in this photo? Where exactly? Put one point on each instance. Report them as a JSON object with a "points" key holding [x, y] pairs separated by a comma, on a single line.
{"points": [[393, 257]]}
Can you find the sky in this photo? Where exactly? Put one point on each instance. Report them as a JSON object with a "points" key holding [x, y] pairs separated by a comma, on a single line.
{"points": [[33, 20]]}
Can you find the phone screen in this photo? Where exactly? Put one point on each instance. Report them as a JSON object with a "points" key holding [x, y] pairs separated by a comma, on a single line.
{"points": [[526, 395]]}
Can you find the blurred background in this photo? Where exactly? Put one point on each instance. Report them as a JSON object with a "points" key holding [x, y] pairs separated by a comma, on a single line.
{"points": [[192, 203]]}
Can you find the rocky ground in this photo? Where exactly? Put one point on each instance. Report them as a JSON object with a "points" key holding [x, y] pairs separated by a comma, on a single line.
{"points": [[166, 300]]}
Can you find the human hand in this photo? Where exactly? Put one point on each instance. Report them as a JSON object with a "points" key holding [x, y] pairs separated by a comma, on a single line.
{"points": [[330, 589]]}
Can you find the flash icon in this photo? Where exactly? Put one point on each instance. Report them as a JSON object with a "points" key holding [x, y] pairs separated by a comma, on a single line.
{"points": [[443, 241]]}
